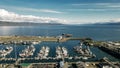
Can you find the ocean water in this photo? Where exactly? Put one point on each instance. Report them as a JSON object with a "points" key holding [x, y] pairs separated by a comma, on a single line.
{"points": [[96, 32]]}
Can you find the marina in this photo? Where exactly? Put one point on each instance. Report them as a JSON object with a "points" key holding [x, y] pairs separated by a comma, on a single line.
{"points": [[29, 43], [34, 53], [42, 53], [61, 53], [48, 51]]}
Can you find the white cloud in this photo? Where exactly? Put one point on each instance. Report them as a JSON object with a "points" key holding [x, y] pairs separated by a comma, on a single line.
{"points": [[32, 9], [116, 20], [13, 17], [97, 4], [50, 11], [39, 10], [96, 7], [90, 9]]}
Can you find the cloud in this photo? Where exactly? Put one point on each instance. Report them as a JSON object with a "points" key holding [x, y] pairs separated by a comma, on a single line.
{"points": [[116, 20], [50, 11], [13, 17], [96, 7], [91, 4], [95, 4], [32, 9], [87, 9], [39, 10]]}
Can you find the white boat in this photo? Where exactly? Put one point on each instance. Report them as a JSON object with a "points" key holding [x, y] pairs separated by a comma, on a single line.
{"points": [[85, 58], [36, 42], [29, 51], [6, 51], [61, 52], [43, 53], [58, 52], [65, 52]]}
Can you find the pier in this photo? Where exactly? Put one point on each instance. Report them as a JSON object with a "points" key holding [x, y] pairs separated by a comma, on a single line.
{"points": [[112, 64], [112, 51], [81, 39], [112, 48]]}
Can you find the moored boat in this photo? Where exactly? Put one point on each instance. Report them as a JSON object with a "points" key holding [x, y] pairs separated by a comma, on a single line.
{"points": [[29, 51], [6, 51]]}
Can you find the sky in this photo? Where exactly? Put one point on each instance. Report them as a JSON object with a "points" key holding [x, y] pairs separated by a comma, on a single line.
{"points": [[60, 11]]}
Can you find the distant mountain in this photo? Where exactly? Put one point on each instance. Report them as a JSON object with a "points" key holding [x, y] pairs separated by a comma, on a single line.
{"points": [[5, 23], [108, 23]]}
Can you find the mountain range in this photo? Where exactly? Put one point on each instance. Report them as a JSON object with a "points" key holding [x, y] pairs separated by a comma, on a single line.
{"points": [[108, 23], [5, 23]]}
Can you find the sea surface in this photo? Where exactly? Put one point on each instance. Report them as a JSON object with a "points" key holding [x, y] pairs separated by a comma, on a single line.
{"points": [[96, 32]]}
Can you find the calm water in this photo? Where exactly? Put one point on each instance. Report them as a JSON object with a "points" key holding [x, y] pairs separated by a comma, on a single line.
{"points": [[96, 32]]}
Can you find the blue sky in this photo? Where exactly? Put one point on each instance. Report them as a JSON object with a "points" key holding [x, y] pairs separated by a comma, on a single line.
{"points": [[73, 11]]}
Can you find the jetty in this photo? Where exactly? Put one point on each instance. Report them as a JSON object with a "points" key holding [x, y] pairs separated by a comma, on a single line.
{"points": [[31, 39], [111, 47]]}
